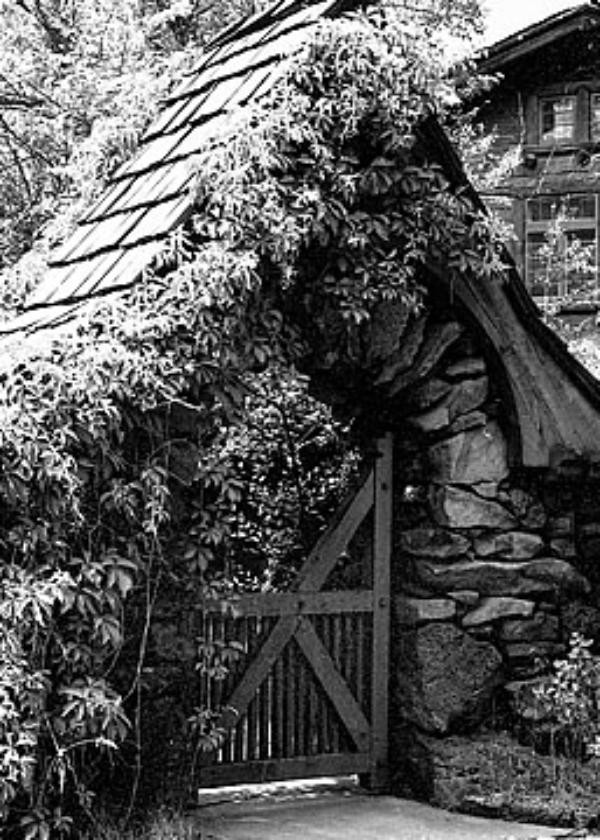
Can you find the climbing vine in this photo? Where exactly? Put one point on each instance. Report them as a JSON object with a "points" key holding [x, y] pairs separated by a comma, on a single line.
{"points": [[140, 445]]}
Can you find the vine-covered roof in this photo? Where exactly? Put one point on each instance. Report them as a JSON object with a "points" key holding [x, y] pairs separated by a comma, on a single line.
{"points": [[555, 400], [152, 193]]}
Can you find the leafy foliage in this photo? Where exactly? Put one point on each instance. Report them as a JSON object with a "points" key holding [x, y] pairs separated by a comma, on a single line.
{"points": [[270, 485], [166, 434], [568, 699]]}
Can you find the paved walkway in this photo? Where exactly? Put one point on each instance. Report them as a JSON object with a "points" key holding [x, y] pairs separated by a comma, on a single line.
{"points": [[345, 813]]}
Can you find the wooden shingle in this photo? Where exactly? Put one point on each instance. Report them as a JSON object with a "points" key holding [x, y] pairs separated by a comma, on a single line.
{"points": [[157, 221], [76, 280], [146, 190], [96, 237]]}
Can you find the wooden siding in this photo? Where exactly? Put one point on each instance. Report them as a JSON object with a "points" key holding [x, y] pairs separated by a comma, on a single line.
{"points": [[512, 117]]}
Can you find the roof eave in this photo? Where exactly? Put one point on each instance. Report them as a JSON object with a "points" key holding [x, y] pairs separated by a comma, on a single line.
{"points": [[497, 56]]}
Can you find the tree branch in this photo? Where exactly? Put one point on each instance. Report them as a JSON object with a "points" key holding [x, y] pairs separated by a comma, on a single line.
{"points": [[58, 34], [21, 169], [23, 144], [22, 103]]}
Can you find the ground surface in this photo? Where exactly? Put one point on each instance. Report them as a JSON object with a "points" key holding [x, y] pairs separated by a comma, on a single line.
{"points": [[343, 812]]}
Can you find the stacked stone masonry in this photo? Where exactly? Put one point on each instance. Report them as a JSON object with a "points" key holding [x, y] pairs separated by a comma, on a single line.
{"points": [[494, 566]]}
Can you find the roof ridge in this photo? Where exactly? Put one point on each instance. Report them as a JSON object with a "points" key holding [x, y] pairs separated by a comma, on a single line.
{"points": [[278, 12], [493, 50], [252, 23]]}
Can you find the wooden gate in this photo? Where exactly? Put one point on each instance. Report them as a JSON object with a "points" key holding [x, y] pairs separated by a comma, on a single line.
{"points": [[309, 696]]}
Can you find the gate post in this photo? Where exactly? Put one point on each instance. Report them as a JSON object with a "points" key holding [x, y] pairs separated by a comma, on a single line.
{"points": [[382, 549]]}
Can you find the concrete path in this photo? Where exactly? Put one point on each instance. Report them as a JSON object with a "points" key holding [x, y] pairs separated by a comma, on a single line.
{"points": [[346, 813]]}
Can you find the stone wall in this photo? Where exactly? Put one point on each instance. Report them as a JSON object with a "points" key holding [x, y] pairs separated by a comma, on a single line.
{"points": [[493, 567]]}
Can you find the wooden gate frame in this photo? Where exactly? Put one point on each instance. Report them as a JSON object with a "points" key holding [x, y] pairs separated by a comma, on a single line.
{"points": [[371, 739]]}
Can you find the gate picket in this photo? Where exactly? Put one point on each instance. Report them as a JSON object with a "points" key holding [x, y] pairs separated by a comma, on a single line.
{"points": [[310, 694]]}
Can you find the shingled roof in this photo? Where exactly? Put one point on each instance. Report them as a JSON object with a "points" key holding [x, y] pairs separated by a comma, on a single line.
{"points": [[151, 194]]}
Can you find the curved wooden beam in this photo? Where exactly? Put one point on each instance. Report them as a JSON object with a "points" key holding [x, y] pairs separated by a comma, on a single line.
{"points": [[556, 403]]}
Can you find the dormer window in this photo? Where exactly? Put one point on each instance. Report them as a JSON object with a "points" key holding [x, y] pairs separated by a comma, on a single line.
{"points": [[557, 120]]}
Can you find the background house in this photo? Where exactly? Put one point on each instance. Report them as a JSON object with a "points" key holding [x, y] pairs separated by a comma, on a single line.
{"points": [[544, 115]]}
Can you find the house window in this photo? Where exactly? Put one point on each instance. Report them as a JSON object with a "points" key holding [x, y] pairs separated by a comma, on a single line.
{"points": [[561, 246], [557, 120]]}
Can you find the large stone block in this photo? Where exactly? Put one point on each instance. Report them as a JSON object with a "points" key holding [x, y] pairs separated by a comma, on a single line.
{"points": [[465, 422], [490, 577], [444, 679], [466, 597], [559, 573], [441, 417], [428, 393], [528, 510], [413, 611], [434, 420], [433, 542], [456, 507], [488, 490], [438, 338], [541, 628], [458, 409], [513, 545], [468, 395], [470, 457], [404, 357], [493, 775], [469, 367], [493, 609]]}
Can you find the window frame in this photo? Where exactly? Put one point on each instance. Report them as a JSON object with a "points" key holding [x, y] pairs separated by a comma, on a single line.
{"points": [[583, 134], [547, 100], [540, 226]]}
